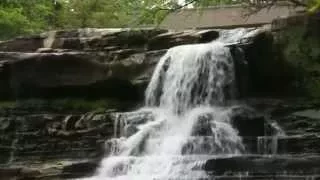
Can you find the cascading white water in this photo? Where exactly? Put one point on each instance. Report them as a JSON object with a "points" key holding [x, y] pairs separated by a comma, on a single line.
{"points": [[184, 121], [192, 75]]}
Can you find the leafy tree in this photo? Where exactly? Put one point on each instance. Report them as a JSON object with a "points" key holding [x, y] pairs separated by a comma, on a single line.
{"points": [[314, 6], [12, 22], [120, 13], [19, 17], [24, 17]]}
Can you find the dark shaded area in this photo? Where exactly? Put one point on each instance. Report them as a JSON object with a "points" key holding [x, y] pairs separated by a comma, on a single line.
{"points": [[64, 75], [171, 39], [79, 170], [241, 71], [208, 36], [115, 88], [263, 165], [248, 122], [23, 44], [269, 73], [5, 91], [19, 173], [291, 145]]}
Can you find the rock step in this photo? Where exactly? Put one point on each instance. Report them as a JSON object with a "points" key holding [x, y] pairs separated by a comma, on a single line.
{"points": [[56, 170], [306, 144], [264, 165], [82, 39], [53, 149], [106, 55], [18, 173], [297, 144], [269, 177], [43, 142], [301, 122], [79, 169], [29, 126]]}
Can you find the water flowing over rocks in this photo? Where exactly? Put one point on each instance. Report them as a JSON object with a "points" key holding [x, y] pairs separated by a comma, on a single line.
{"points": [[92, 60], [184, 97], [206, 113]]}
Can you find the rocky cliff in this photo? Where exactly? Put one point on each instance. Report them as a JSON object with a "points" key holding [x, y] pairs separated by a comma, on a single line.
{"points": [[45, 135], [60, 90], [87, 62]]}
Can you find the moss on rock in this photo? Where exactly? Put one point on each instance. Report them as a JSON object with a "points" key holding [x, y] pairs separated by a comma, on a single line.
{"points": [[301, 49]]}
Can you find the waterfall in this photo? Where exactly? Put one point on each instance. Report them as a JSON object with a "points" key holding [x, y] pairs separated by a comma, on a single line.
{"points": [[186, 119], [192, 75]]}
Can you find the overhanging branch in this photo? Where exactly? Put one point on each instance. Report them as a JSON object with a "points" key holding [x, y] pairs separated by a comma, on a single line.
{"points": [[249, 2], [179, 7]]}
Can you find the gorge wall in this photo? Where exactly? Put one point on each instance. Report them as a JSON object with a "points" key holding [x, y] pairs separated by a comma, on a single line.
{"points": [[60, 91]]}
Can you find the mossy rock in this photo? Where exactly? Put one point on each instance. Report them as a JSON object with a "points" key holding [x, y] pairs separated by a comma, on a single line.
{"points": [[300, 47]]}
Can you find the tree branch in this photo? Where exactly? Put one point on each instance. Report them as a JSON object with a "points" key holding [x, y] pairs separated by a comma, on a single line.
{"points": [[273, 2], [179, 7], [255, 7], [298, 3]]}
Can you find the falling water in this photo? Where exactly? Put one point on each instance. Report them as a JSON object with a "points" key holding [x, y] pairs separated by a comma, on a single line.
{"points": [[269, 144], [185, 122], [192, 75]]}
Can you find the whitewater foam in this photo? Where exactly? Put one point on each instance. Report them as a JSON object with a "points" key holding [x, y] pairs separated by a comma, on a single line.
{"points": [[185, 121]]}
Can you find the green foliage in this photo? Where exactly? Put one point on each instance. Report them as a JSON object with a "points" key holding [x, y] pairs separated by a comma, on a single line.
{"points": [[19, 17], [314, 6], [206, 3], [12, 22]]}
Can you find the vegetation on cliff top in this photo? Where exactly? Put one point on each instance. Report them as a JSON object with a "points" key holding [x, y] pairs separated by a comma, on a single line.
{"points": [[19, 17]]}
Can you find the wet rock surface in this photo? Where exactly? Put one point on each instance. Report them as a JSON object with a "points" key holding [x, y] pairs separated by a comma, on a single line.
{"points": [[47, 142], [36, 140], [96, 61], [51, 142], [58, 145], [291, 153], [48, 134], [265, 165], [89, 62]]}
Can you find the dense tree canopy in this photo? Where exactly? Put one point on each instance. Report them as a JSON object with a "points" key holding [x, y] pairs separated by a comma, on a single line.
{"points": [[30, 16], [18, 17]]}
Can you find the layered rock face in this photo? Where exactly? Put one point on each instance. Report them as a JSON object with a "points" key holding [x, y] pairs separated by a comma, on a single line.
{"points": [[41, 140], [291, 153], [52, 142], [87, 62]]}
